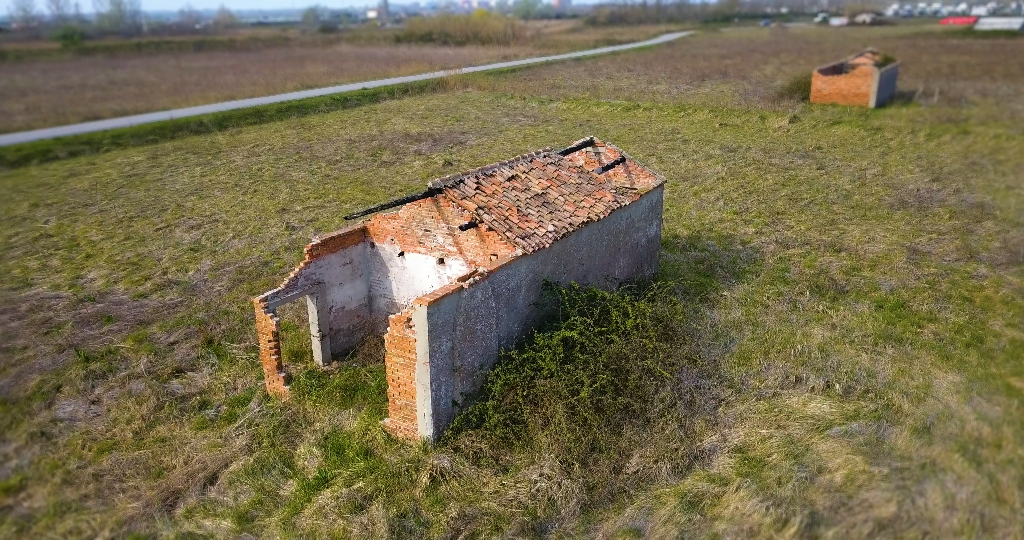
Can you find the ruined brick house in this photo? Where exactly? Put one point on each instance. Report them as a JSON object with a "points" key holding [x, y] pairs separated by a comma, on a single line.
{"points": [[860, 80], [454, 274]]}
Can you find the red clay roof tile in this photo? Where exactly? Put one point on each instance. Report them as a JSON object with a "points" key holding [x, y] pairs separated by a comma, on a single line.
{"points": [[535, 199]]}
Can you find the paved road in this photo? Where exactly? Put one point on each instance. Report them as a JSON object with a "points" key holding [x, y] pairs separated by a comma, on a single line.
{"points": [[135, 120]]}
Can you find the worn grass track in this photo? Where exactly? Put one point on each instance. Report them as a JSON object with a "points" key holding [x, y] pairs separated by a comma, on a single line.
{"points": [[852, 295]]}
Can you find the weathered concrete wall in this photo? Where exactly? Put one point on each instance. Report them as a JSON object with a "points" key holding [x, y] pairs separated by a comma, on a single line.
{"points": [[354, 280], [346, 297], [332, 279], [885, 85], [461, 330]]}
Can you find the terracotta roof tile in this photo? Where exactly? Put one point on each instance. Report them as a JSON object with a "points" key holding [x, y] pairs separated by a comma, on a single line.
{"points": [[537, 198]]}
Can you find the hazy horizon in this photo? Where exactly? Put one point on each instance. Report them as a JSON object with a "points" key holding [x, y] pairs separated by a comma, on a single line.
{"points": [[234, 5]]}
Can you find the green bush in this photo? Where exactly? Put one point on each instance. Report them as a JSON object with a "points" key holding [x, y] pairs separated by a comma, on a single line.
{"points": [[69, 36], [798, 87], [588, 387], [480, 28], [885, 60]]}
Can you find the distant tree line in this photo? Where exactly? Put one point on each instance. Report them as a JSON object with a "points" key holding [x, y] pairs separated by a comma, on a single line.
{"points": [[112, 16], [63, 20]]}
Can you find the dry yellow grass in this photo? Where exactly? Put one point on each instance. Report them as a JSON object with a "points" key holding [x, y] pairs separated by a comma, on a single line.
{"points": [[52, 92]]}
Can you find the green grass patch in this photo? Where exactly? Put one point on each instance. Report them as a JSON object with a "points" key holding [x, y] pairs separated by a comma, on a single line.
{"points": [[149, 134]]}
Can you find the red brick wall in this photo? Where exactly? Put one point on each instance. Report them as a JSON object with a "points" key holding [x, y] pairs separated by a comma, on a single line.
{"points": [[336, 241], [431, 227], [400, 369], [268, 336], [853, 88]]}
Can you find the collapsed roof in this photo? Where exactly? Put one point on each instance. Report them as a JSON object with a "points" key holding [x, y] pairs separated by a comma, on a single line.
{"points": [[534, 199]]}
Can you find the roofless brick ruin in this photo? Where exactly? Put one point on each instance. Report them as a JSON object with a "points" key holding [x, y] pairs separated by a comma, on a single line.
{"points": [[454, 274], [862, 80]]}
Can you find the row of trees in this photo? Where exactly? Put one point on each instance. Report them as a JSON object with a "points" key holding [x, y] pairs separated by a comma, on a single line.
{"points": [[111, 15], [189, 17], [123, 17]]}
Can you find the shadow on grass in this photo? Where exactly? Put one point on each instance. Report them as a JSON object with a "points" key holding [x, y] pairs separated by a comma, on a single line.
{"points": [[903, 98], [704, 263]]}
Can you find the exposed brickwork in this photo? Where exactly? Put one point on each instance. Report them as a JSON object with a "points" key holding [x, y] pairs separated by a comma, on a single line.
{"points": [[323, 246], [506, 209], [431, 227], [400, 369], [850, 82], [851, 88], [334, 242], [268, 335]]}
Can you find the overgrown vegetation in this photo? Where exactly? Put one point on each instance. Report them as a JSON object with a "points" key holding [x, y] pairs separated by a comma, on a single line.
{"points": [[839, 316], [885, 60], [675, 12], [798, 87], [480, 28], [587, 389]]}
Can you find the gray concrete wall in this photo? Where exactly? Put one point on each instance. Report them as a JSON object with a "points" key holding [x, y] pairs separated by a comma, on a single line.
{"points": [[460, 335], [885, 85], [347, 298]]}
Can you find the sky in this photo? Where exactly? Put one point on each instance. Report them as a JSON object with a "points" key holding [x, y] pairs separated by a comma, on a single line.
{"points": [[174, 5]]}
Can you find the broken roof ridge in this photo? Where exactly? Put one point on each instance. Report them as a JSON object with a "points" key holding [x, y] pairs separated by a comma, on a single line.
{"points": [[437, 186], [625, 156], [585, 142]]}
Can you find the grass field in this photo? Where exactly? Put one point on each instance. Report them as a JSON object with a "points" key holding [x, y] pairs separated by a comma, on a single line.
{"points": [[70, 87], [841, 303]]}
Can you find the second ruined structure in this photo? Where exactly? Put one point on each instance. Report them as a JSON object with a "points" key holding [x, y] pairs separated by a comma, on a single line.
{"points": [[865, 79]]}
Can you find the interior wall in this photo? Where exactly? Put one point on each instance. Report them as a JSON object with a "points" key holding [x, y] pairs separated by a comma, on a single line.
{"points": [[346, 279], [398, 277]]}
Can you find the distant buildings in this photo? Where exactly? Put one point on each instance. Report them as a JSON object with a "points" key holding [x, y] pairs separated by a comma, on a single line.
{"points": [[1011, 24]]}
